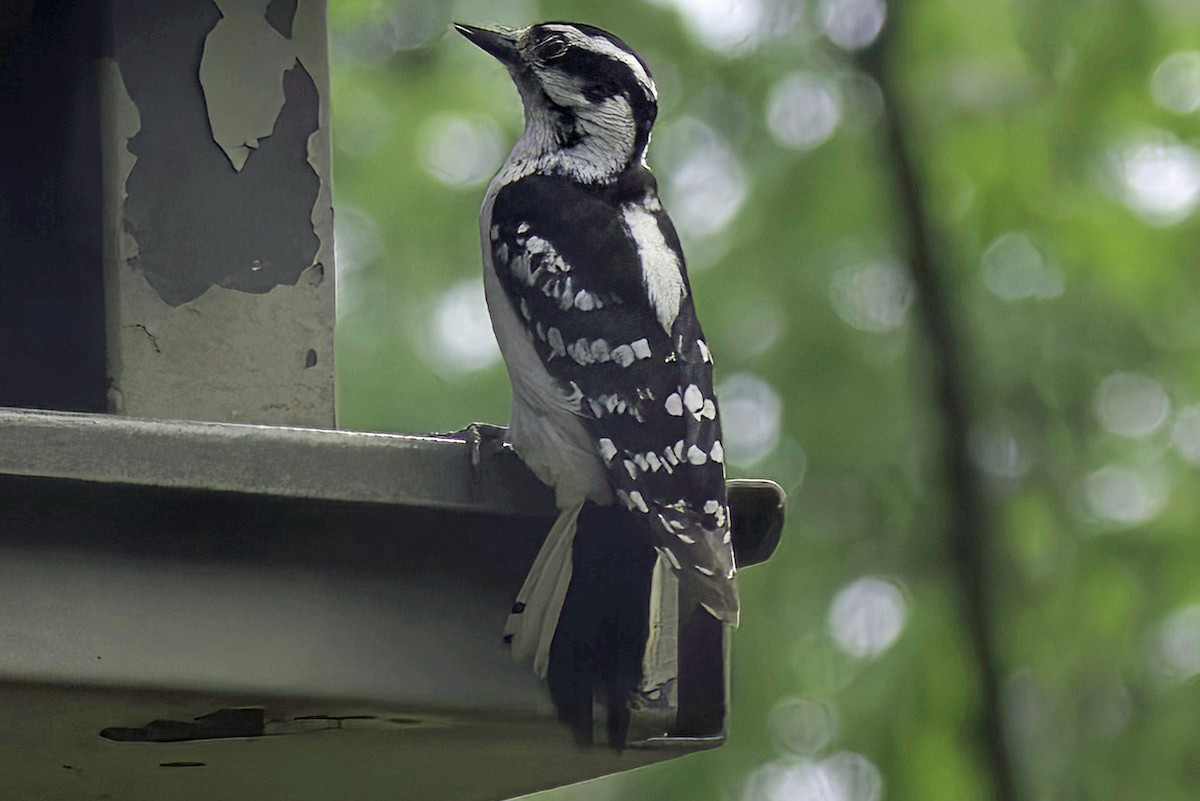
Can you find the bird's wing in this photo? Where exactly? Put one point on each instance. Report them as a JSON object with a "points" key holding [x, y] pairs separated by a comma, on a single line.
{"points": [[575, 278]]}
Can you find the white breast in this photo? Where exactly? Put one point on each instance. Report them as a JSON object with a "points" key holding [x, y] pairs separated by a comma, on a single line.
{"points": [[545, 429]]}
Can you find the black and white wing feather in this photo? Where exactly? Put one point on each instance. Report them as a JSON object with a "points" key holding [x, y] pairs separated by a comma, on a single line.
{"points": [[596, 276]]}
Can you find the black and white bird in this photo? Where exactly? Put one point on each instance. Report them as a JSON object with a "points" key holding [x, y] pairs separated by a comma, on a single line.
{"points": [[590, 302]]}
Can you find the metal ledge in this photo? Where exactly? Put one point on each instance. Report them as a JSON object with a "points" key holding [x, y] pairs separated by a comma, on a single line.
{"points": [[432, 472], [168, 584]]}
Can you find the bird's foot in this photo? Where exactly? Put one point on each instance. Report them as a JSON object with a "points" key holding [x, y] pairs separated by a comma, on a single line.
{"points": [[484, 441]]}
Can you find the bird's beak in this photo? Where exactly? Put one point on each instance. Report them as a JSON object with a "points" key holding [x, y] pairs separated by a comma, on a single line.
{"points": [[501, 45]]}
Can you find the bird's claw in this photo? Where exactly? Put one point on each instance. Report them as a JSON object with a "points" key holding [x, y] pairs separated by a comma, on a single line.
{"points": [[484, 441]]}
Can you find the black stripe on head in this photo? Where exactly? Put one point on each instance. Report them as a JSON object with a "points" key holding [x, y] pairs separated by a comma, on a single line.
{"points": [[592, 30], [609, 65]]}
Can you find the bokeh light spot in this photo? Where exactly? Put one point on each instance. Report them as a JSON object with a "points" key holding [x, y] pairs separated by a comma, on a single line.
{"points": [[364, 122], [704, 182], [997, 452], [872, 297], [1179, 644], [356, 244], [852, 24], [1157, 177], [392, 27], [1013, 269], [801, 726], [803, 110], [1131, 404], [761, 323], [1175, 83], [844, 776], [867, 616], [735, 27], [750, 418], [1185, 434], [460, 338], [1121, 496], [461, 151]]}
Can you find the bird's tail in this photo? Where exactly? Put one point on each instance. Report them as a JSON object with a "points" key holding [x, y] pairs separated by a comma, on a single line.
{"points": [[534, 618]]}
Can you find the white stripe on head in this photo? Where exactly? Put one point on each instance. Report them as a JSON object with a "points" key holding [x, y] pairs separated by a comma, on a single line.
{"points": [[603, 46]]}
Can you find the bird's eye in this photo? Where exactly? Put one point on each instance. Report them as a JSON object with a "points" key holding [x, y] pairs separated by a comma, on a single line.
{"points": [[551, 47]]}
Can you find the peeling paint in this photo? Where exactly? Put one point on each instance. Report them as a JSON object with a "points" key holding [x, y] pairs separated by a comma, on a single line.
{"points": [[225, 268], [245, 56], [311, 38], [247, 352], [120, 122], [196, 221], [242, 71], [281, 14], [224, 723]]}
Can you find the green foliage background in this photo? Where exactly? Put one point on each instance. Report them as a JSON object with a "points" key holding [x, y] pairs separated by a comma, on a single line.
{"points": [[1028, 122]]}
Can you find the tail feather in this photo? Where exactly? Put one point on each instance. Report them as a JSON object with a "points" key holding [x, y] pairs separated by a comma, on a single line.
{"points": [[660, 661], [535, 614]]}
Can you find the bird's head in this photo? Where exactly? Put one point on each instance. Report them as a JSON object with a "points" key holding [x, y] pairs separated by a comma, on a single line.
{"points": [[584, 89]]}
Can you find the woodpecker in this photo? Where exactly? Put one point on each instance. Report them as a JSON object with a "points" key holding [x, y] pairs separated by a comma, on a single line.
{"points": [[590, 302]]}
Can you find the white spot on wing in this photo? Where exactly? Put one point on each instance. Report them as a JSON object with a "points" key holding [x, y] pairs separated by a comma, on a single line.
{"points": [[653, 460], [684, 538], [670, 557], [555, 340], [704, 570], [580, 352], [674, 405], [641, 348], [600, 351], [607, 449], [711, 506], [623, 355], [631, 468], [704, 351], [693, 398], [584, 300], [709, 409], [717, 452], [661, 275], [636, 499], [696, 456]]}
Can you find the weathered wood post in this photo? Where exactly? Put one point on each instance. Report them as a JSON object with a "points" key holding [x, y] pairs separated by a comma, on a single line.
{"points": [[206, 591]]}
